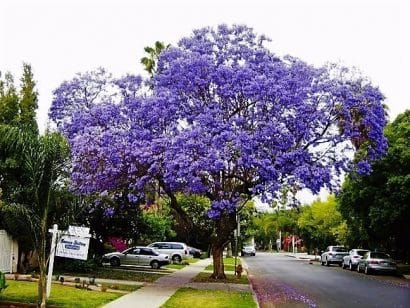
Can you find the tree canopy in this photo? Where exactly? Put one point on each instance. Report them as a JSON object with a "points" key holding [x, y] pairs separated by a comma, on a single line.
{"points": [[380, 201], [225, 118]]}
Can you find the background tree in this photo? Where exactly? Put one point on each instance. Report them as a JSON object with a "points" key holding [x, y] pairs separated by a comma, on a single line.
{"points": [[9, 101], [226, 119], [28, 100], [321, 224], [377, 206]]}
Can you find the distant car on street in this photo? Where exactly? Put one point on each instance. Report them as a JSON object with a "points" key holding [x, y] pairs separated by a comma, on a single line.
{"points": [[376, 262], [195, 252], [136, 256], [333, 255], [352, 259], [248, 251]]}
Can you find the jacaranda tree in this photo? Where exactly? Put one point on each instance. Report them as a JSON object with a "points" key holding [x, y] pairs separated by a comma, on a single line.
{"points": [[223, 117]]}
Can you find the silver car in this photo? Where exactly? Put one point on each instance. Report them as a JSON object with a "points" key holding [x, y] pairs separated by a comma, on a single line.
{"points": [[333, 254], [352, 259], [376, 262], [136, 256], [248, 250]]}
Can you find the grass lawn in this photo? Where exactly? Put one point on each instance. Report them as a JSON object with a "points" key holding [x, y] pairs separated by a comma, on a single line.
{"points": [[121, 274], [187, 297], [230, 278], [229, 264], [182, 264], [64, 296]]}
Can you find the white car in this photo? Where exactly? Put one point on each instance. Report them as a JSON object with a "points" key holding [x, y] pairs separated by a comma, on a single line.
{"points": [[333, 254], [248, 250], [177, 251], [352, 259]]}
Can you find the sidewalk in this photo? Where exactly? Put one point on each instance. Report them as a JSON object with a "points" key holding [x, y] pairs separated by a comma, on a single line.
{"points": [[155, 294]]}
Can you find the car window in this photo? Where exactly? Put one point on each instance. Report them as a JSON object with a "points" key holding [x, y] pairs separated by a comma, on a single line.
{"points": [[164, 246], [366, 255], [155, 245], [134, 251], [176, 246], [339, 249], [146, 252], [379, 255], [361, 252]]}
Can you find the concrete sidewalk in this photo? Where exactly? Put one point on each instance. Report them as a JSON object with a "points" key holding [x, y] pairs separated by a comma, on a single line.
{"points": [[155, 294]]}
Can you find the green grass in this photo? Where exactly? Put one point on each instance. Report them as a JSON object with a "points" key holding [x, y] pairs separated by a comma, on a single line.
{"points": [[120, 274], [182, 264], [230, 278], [122, 287], [63, 296], [229, 264], [187, 298]]}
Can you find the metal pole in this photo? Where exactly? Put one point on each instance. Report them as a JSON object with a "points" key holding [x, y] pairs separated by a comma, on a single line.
{"points": [[54, 231]]}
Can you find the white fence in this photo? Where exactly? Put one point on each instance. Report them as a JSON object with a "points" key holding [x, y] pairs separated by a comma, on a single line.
{"points": [[8, 253]]}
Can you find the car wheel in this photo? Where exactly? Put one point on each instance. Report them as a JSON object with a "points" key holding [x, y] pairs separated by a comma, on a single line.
{"points": [[321, 262], [358, 268], [115, 262], [366, 270], [343, 265], [155, 264], [176, 258], [327, 262], [350, 266]]}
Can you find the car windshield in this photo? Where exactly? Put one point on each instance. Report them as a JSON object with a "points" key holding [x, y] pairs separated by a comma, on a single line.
{"points": [[339, 249], [361, 252], [379, 255]]}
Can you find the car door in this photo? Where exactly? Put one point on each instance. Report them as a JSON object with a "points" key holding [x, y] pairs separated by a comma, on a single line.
{"points": [[132, 257], [146, 255]]}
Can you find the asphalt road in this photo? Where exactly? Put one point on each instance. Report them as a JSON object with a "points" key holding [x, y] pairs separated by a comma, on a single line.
{"points": [[281, 281]]}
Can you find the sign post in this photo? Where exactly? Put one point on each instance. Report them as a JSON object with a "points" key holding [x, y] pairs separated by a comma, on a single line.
{"points": [[71, 244], [54, 232]]}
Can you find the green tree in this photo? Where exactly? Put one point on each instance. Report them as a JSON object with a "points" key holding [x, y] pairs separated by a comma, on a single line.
{"points": [[321, 224], [377, 207], [28, 100], [150, 61], [9, 101], [43, 161]]}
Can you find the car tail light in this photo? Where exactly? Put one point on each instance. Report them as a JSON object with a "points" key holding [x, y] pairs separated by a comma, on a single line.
{"points": [[374, 262]]}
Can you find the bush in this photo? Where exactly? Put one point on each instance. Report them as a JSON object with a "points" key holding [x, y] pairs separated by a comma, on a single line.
{"points": [[77, 266]]}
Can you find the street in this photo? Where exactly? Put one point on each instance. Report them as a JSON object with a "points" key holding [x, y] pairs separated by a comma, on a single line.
{"points": [[282, 281]]}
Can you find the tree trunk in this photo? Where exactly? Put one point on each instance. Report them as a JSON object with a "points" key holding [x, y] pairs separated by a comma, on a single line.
{"points": [[217, 256]]}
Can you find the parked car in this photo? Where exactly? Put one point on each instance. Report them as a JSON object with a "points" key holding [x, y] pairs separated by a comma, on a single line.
{"points": [[353, 258], [175, 250], [248, 250], [333, 255], [136, 256], [195, 252], [376, 262]]}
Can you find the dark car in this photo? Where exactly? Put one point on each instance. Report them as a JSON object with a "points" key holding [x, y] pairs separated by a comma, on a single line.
{"points": [[195, 252]]}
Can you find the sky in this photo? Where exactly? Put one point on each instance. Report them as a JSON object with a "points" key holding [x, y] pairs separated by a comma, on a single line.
{"points": [[60, 38]]}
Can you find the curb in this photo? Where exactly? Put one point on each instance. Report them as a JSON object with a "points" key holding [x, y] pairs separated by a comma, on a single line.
{"points": [[255, 298]]}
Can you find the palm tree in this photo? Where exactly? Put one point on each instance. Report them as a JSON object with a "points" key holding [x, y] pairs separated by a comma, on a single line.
{"points": [[43, 161]]}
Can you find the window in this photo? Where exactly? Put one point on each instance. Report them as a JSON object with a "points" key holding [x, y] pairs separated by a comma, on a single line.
{"points": [[176, 246], [146, 252]]}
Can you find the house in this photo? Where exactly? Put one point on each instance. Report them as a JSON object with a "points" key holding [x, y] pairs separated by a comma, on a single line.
{"points": [[8, 253]]}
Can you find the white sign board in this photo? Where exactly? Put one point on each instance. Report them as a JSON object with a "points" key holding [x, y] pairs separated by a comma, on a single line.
{"points": [[72, 247]]}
